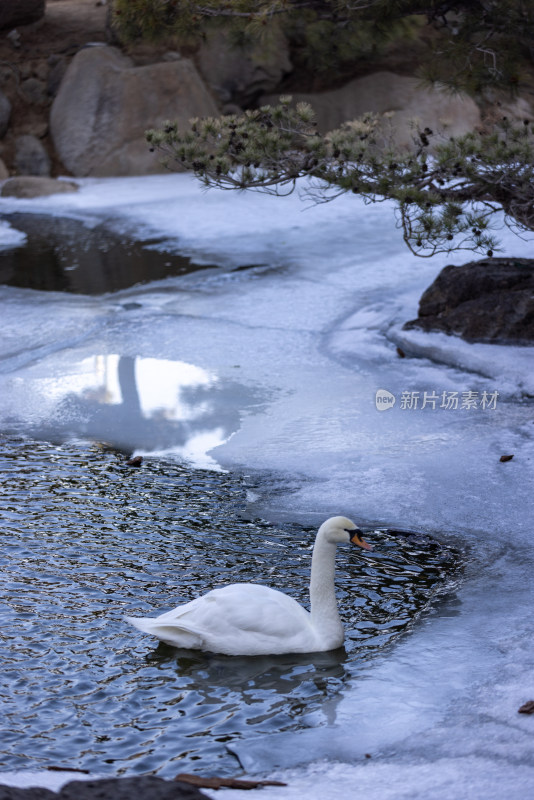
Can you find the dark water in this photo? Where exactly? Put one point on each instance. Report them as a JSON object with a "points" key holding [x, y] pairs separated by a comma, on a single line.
{"points": [[87, 539], [66, 255]]}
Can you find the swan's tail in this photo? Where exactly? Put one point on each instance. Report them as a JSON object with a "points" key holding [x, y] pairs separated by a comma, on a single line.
{"points": [[167, 632]]}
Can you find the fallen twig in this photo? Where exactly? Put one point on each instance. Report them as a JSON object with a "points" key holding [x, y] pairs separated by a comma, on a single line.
{"points": [[229, 783]]}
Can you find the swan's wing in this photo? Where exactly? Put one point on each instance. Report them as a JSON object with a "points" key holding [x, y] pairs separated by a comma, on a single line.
{"points": [[241, 619]]}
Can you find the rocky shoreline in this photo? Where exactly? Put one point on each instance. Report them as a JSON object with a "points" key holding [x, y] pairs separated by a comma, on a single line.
{"points": [[75, 102]]}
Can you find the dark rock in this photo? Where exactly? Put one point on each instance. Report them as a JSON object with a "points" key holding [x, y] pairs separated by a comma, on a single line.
{"points": [[58, 67], [33, 793], [40, 70], [21, 12], [14, 37], [31, 157], [491, 300], [5, 114], [239, 75], [144, 787], [35, 91]]}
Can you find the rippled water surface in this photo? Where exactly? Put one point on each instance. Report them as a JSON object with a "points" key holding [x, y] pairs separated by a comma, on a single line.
{"points": [[87, 539]]}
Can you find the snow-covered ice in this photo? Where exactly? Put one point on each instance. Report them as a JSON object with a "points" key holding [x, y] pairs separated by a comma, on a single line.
{"points": [[277, 367], [9, 236]]}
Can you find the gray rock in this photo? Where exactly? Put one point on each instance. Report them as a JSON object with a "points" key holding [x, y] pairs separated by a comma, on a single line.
{"points": [[171, 55], [240, 74], [35, 91], [38, 128], [402, 99], [41, 70], [20, 12], [105, 104], [145, 787], [491, 300], [25, 70], [31, 157], [7, 75], [14, 38], [5, 114], [58, 68], [33, 186]]}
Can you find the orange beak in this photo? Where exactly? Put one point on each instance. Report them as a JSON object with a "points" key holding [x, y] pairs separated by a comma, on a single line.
{"points": [[360, 542]]}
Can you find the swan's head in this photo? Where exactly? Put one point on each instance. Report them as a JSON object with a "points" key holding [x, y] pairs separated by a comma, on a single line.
{"points": [[342, 529]]}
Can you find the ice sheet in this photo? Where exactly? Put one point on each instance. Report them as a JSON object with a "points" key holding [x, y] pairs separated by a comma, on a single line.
{"points": [[10, 237], [290, 356]]}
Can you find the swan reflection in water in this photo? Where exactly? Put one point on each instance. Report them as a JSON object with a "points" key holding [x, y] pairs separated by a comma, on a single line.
{"points": [[220, 694]]}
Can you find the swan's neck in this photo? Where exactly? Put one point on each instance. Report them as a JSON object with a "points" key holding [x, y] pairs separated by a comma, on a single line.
{"points": [[324, 612]]}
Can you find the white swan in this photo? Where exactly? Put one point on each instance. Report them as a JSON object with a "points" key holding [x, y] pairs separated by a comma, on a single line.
{"points": [[246, 619]]}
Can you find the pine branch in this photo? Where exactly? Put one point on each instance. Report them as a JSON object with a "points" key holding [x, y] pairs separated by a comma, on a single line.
{"points": [[447, 191]]}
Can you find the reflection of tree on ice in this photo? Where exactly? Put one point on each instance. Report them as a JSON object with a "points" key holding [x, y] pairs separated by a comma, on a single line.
{"points": [[115, 412]]}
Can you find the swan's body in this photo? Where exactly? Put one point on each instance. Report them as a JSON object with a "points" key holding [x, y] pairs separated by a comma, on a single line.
{"points": [[249, 619]]}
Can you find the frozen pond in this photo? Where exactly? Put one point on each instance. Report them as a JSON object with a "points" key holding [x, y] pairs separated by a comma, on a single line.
{"points": [[274, 371]]}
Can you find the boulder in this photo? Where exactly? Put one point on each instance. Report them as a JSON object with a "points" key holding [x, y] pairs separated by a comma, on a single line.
{"points": [[32, 186], [4, 172], [504, 104], [491, 300], [5, 114], [31, 157], [401, 98], [105, 104], [20, 12], [240, 74]]}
